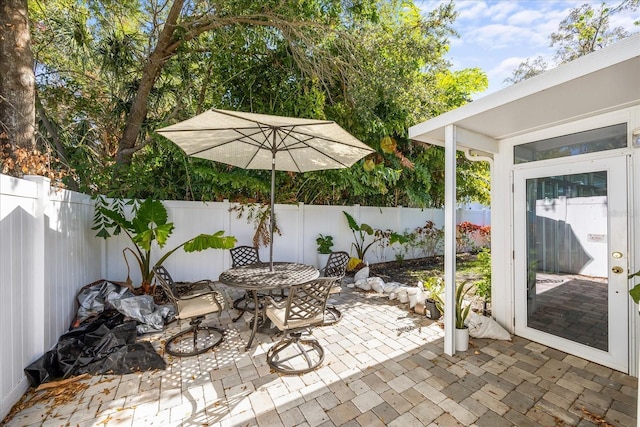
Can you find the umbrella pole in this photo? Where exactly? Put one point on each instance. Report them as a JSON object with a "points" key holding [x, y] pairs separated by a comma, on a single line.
{"points": [[271, 213]]}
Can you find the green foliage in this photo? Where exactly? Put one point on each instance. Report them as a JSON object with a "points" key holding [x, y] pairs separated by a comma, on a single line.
{"points": [[385, 239], [483, 286], [586, 30], [462, 310], [148, 225], [374, 67], [360, 233], [635, 291], [325, 243], [425, 241], [434, 285]]}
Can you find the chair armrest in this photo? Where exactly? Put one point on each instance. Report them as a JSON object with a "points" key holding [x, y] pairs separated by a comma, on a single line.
{"points": [[277, 304]]}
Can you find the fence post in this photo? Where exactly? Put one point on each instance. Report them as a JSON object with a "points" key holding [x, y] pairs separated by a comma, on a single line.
{"points": [[226, 226], [301, 236], [36, 294]]}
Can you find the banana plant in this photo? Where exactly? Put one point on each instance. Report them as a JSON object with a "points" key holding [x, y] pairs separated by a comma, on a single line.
{"points": [[149, 224], [360, 233]]}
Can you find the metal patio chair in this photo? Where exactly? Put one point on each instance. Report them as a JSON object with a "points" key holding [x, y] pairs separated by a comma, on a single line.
{"points": [[336, 267], [243, 255], [197, 338], [302, 310]]}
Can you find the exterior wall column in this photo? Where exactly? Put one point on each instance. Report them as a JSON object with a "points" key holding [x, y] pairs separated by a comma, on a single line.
{"points": [[449, 238]]}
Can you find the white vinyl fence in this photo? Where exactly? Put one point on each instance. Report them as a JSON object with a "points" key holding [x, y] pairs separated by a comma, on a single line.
{"points": [[48, 252]]}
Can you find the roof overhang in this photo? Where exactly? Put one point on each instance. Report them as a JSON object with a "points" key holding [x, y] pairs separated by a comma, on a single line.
{"points": [[603, 81]]}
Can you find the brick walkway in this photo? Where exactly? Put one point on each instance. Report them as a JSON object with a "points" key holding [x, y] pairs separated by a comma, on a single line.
{"points": [[383, 366]]}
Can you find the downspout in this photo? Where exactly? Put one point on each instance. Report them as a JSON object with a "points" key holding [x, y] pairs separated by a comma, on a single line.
{"points": [[476, 156]]}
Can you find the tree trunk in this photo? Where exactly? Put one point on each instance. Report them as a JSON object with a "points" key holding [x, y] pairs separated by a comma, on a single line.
{"points": [[127, 144], [17, 79]]}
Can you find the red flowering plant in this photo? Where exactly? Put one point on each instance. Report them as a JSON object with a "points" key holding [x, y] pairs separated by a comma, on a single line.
{"points": [[471, 237]]}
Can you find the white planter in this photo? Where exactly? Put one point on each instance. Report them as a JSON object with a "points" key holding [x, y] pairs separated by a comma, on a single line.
{"points": [[322, 260], [462, 339]]}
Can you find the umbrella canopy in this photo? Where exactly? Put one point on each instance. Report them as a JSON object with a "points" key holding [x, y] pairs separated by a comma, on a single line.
{"points": [[260, 141]]}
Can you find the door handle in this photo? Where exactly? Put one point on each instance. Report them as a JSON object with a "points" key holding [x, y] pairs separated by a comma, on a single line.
{"points": [[617, 269]]}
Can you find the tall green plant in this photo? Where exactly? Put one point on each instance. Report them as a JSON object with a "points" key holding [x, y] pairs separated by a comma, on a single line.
{"points": [[149, 224], [360, 233], [483, 286], [462, 311]]}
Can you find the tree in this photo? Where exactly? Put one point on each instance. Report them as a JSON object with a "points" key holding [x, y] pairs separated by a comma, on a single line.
{"points": [[583, 31], [17, 86], [586, 30], [376, 71], [527, 69]]}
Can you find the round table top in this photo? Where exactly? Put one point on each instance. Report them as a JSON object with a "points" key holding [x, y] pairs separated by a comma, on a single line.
{"points": [[259, 276]]}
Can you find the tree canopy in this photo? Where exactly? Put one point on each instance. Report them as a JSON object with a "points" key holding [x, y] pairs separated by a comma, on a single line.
{"points": [[585, 30], [109, 73]]}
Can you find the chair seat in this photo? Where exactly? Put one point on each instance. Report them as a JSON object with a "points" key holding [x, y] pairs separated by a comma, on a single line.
{"points": [[198, 306], [336, 289], [197, 338], [277, 317]]}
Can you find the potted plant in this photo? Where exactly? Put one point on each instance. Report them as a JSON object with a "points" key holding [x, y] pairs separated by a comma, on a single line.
{"points": [[360, 233], [462, 312], [433, 303], [325, 245]]}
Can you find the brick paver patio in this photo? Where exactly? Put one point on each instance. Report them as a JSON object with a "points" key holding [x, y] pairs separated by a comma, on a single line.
{"points": [[383, 366]]}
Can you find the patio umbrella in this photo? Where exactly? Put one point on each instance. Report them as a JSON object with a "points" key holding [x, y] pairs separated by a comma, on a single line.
{"points": [[260, 141]]}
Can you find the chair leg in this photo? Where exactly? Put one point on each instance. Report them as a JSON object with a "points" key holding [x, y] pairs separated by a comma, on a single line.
{"points": [[194, 340], [295, 355], [331, 316]]}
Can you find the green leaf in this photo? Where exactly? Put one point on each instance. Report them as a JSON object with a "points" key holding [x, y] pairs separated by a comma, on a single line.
{"points": [[366, 228], [635, 293], [152, 211], [351, 221], [162, 233], [210, 241], [144, 239]]}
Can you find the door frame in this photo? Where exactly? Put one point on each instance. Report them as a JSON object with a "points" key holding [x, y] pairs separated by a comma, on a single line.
{"points": [[617, 167]]}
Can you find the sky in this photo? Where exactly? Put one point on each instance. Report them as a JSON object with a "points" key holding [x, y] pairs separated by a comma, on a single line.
{"points": [[498, 35]]}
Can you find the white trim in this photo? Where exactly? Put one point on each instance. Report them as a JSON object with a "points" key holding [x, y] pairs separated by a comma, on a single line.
{"points": [[616, 54]]}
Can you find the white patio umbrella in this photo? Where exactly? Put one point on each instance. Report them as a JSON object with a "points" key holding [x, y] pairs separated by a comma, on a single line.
{"points": [[260, 141]]}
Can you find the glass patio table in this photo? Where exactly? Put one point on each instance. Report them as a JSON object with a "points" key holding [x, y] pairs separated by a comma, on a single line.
{"points": [[259, 277]]}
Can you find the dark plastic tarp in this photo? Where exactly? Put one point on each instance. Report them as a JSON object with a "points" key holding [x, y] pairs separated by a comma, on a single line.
{"points": [[102, 339]]}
